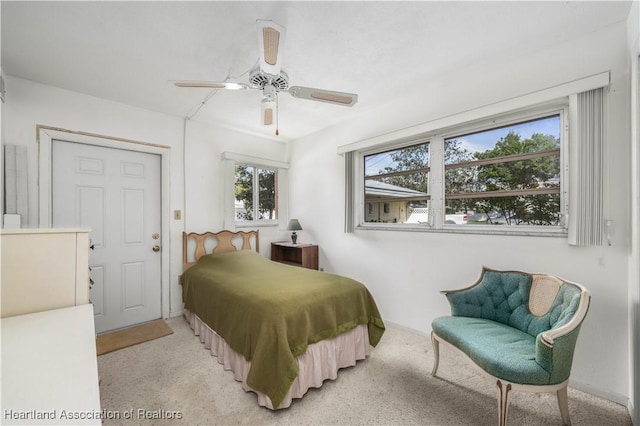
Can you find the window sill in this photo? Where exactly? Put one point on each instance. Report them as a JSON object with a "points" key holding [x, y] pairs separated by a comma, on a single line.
{"points": [[257, 223], [527, 231]]}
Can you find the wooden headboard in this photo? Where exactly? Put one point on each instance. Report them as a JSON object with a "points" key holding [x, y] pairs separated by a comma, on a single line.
{"points": [[224, 241]]}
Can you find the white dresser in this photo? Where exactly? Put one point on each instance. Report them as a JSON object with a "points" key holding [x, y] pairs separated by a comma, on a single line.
{"points": [[50, 368], [43, 269]]}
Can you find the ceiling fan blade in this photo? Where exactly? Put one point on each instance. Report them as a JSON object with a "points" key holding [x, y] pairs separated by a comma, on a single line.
{"points": [[213, 85], [320, 95], [271, 38]]}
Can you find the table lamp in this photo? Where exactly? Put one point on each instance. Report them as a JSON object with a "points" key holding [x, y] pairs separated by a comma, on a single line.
{"points": [[294, 226]]}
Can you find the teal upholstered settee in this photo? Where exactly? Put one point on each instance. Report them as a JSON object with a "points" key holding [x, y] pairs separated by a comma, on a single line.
{"points": [[519, 328]]}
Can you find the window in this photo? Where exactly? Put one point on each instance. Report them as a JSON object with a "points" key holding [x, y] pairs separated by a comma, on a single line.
{"points": [[498, 168], [504, 174], [396, 184], [255, 193], [508, 175]]}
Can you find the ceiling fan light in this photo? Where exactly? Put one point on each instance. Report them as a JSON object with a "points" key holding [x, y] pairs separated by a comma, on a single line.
{"points": [[268, 117], [234, 86], [269, 110]]}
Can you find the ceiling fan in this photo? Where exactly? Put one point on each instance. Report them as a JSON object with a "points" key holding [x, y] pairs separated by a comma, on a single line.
{"points": [[269, 77]]}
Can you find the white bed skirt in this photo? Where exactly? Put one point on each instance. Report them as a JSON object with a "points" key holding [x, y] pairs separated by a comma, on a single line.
{"points": [[320, 362]]}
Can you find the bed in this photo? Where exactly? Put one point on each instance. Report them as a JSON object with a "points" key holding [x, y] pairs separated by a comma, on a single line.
{"points": [[281, 329]]}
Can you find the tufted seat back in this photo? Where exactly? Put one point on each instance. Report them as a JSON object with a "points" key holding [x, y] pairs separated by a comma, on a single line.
{"points": [[532, 303]]}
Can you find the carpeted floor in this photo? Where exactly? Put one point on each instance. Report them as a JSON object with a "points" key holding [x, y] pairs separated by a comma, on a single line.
{"points": [[175, 380]]}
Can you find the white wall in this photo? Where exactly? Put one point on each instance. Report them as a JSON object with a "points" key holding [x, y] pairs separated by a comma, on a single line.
{"points": [[1, 154], [406, 270], [633, 30], [204, 180], [30, 104]]}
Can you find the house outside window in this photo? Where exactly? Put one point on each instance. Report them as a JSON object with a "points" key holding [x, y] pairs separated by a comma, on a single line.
{"points": [[256, 197], [396, 184], [504, 174]]}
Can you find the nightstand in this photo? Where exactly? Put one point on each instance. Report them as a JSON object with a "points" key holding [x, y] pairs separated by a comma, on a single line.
{"points": [[305, 255]]}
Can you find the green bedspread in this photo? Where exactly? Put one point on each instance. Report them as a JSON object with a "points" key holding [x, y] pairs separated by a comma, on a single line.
{"points": [[270, 312]]}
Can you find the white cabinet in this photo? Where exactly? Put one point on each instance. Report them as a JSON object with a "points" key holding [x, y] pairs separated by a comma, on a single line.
{"points": [[50, 368], [43, 269]]}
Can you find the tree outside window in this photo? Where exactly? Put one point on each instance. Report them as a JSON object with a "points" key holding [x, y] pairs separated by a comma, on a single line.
{"points": [[506, 176], [255, 193]]}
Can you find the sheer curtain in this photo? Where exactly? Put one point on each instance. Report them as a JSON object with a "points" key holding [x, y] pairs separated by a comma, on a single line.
{"points": [[587, 168]]}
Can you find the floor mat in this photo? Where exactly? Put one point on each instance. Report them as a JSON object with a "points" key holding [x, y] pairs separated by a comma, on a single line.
{"points": [[126, 337]]}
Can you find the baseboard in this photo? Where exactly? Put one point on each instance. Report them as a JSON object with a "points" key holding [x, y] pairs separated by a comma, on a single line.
{"points": [[409, 329], [174, 314], [611, 396]]}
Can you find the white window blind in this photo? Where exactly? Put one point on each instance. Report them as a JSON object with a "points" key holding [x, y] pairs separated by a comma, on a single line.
{"points": [[15, 181], [349, 177], [586, 213]]}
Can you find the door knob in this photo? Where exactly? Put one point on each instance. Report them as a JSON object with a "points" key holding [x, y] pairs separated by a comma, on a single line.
{"points": [[156, 248]]}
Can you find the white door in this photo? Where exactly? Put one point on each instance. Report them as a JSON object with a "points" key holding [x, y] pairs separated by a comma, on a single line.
{"points": [[116, 193]]}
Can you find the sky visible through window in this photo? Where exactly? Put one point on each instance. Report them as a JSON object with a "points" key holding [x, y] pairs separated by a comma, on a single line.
{"points": [[377, 163], [476, 142], [482, 141]]}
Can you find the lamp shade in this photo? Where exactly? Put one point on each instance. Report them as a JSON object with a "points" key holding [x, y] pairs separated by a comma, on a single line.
{"points": [[294, 225]]}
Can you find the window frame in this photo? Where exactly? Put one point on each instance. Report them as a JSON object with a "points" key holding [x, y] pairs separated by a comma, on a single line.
{"points": [[229, 161], [256, 196], [435, 139], [386, 202]]}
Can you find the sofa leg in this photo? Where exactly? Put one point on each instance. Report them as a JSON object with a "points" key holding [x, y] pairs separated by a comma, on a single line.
{"points": [[563, 403], [436, 354], [503, 402]]}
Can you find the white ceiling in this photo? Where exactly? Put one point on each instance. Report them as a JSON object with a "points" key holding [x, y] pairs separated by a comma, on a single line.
{"points": [[130, 52]]}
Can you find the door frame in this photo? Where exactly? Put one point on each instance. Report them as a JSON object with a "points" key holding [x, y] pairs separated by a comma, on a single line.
{"points": [[44, 138]]}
